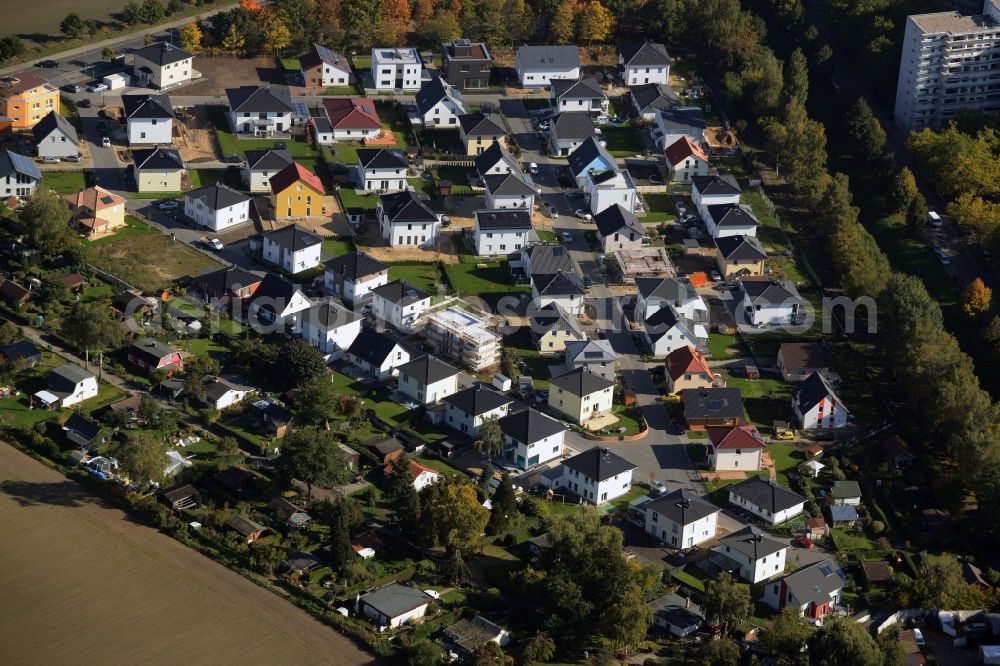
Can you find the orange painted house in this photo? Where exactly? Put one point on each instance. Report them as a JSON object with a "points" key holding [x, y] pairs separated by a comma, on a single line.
{"points": [[25, 99]]}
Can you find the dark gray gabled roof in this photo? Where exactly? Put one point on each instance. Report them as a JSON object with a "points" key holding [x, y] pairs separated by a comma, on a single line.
{"points": [[66, 377], [585, 154], [394, 599], [504, 219], [217, 196], [147, 106], [753, 542], [530, 425], [255, 99], [400, 292], [428, 369], [275, 288], [557, 284], [587, 88], [372, 346], [712, 403], [814, 583], [652, 96], [83, 426], [683, 119], [716, 185], [811, 390], [225, 280], [573, 125], [320, 54], [480, 124], [682, 506], [151, 350], [12, 163], [157, 159], [548, 57], [49, 124], [664, 319], [548, 259], [434, 91], [508, 184], [666, 289], [268, 160], [329, 315], [477, 400], [645, 54], [732, 215], [552, 317], [766, 494], [381, 158], [21, 350], [742, 248], [162, 53], [405, 206], [616, 219], [769, 292], [293, 238], [355, 265], [599, 463], [495, 153], [581, 382]]}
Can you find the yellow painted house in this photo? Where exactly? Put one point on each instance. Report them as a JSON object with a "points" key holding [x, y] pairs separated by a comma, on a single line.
{"points": [[297, 192], [25, 99]]}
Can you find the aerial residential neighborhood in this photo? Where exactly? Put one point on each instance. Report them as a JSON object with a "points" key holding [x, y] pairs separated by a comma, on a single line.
{"points": [[569, 334]]}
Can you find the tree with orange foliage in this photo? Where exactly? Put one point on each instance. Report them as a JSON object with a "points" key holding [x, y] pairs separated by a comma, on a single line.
{"points": [[331, 29], [395, 20], [595, 23], [250, 5], [977, 299], [423, 12]]}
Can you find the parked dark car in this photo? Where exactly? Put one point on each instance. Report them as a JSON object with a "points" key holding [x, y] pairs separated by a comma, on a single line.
{"points": [[84, 104], [49, 64]]}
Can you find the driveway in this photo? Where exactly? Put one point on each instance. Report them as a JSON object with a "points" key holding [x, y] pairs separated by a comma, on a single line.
{"points": [[107, 169]]}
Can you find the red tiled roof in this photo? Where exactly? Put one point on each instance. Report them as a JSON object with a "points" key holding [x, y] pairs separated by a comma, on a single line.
{"points": [[682, 149], [94, 198], [292, 173], [734, 437], [687, 360], [352, 113], [415, 469]]}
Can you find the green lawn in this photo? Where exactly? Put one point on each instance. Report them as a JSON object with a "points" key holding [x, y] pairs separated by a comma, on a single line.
{"points": [[764, 399], [230, 144], [719, 343], [851, 540], [470, 278], [345, 384], [422, 276], [336, 247], [351, 199], [394, 119], [291, 64], [133, 227], [64, 182], [786, 458], [202, 177], [626, 420], [546, 236], [623, 141], [439, 465], [693, 578], [659, 208]]}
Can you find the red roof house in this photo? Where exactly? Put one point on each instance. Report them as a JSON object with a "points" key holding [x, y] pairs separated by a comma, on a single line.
{"points": [[686, 368], [734, 448], [352, 113]]}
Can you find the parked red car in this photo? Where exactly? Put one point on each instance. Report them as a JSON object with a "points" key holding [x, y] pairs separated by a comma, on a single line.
{"points": [[803, 542]]}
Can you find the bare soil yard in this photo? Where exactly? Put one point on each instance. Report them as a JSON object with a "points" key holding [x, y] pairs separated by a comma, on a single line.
{"points": [[85, 585], [150, 261], [194, 137], [219, 73]]}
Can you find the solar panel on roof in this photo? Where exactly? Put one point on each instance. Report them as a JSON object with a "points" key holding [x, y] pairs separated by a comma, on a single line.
{"points": [[106, 199], [715, 404], [826, 570], [592, 354]]}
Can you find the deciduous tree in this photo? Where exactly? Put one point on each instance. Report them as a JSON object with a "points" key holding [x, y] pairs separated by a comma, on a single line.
{"points": [[11, 46], [312, 456], [798, 145], [141, 457], [360, 19], [190, 38], [317, 400], [564, 22], [904, 188], [843, 642], [863, 267], [720, 652], [594, 23], [538, 648], [797, 77], [234, 41], [786, 637], [490, 441], [727, 602], [504, 513], [277, 36], [977, 299], [45, 220], [89, 328], [72, 26], [454, 511], [394, 20], [835, 209], [916, 214]]}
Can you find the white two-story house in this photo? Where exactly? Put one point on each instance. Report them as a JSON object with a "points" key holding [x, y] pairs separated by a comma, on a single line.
{"points": [[596, 475], [216, 206], [681, 519], [578, 95], [259, 111], [816, 405], [604, 184], [426, 379], [509, 191], [293, 248], [261, 165], [644, 63], [537, 66], [766, 499], [162, 65], [752, 554], [399, 304], [812, 591], [675, 292], [466, 410], [353, 276], [331, 328], [532, 438], [381, 170], [149, 119], [579, 395], [763, 302], [730, 220], [501, 232], [714, 191], [618, 229], [396, 69], [406, 221], [439, 104]]}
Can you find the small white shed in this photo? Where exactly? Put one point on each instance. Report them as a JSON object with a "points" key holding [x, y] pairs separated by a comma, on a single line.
{"points": [[117, 81]]}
